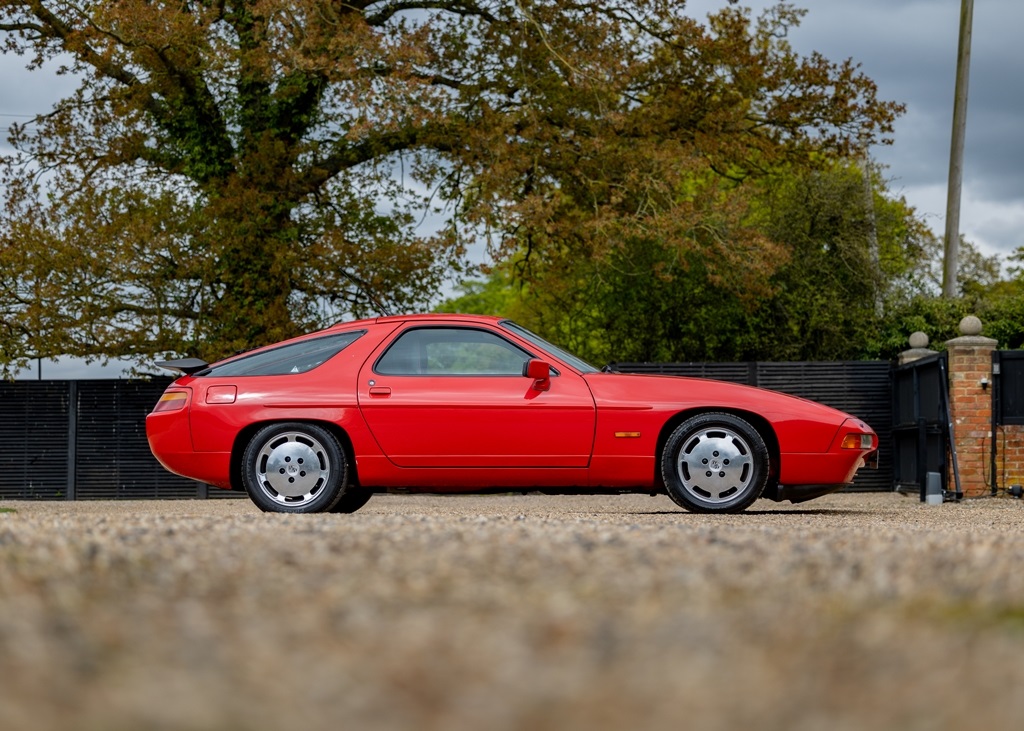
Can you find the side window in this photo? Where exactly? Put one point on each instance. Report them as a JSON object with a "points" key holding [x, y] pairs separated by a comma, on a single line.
{"points": [[299, 357], [442, 351]]}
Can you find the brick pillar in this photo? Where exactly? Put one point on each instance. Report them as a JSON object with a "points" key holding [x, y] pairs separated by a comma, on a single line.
{"points": [[970, 401]]}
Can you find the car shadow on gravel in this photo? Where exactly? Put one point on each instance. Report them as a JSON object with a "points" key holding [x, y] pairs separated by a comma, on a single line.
{"points": [[798, 511], [805, 511]]}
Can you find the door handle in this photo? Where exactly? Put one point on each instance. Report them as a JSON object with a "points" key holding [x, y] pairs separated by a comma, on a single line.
{"points": [[380, 391]]}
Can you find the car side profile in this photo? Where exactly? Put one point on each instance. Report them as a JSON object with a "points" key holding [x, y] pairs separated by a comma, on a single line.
{"points": [[471, 404]]}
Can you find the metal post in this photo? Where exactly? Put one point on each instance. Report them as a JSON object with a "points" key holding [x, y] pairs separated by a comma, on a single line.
{"points": [[996, 419], [922, 456], [951, 434], [71, 492], [922, 435]]}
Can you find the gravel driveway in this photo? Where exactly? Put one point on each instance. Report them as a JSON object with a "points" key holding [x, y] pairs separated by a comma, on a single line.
{"points": [[512, 612]]}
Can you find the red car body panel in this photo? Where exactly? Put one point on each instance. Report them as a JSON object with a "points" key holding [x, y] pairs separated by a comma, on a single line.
{"points": [[584, 431], [805, 430], [171, 441], [479, 422]]}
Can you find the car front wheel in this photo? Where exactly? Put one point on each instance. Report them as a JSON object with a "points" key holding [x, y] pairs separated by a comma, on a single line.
{"points": [[294, 468], [715, 463]]}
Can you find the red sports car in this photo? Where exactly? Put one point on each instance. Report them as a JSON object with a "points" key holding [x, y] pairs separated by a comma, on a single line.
{"points": [[462, 403]]}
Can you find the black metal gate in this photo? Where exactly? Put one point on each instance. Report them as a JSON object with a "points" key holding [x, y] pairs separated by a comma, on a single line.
{"points": [[1007, 410], [77, 440], [1008, 387], [921, 426]]}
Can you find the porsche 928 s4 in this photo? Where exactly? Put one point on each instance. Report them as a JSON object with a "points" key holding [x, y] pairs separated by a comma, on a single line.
{"points": [[471, 404]]}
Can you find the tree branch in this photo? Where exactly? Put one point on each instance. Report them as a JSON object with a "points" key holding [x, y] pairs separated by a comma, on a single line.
{"points": [[464, 9]]}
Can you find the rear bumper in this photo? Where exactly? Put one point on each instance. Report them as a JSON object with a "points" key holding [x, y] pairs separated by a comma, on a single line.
{"points": [[171, 444]]}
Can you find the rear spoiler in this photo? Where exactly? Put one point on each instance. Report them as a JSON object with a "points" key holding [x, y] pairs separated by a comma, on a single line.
{"points": [[187, 366]]}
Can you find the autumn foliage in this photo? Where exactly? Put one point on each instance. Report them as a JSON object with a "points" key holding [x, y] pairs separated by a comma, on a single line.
{"points": [[231, 173]]}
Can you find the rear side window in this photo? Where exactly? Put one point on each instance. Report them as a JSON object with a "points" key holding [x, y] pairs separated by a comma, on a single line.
{"points": [[292, 358]]}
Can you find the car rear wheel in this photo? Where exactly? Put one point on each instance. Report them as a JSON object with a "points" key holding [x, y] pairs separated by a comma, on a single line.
{"points": [[715, 463], [294, 468]]}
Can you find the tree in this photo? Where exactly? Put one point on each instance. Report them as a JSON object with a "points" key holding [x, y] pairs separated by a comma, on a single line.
{"points": [[853, 254], [645, 302], [634, 215], [231, 172], [223, 177]]}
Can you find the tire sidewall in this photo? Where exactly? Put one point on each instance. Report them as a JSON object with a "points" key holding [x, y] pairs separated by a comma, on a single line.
{"points": [[683, 433], [329, 495]]}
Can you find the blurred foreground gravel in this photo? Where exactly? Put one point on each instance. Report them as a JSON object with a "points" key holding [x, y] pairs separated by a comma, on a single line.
{"points": [[512, 612]]}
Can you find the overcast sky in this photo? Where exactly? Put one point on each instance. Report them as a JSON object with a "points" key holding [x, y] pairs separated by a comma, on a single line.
{"points": [[909, 48]]}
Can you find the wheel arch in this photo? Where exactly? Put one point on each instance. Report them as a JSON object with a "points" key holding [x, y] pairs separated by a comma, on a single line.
{"points": [[245, 435], [758, 422]]}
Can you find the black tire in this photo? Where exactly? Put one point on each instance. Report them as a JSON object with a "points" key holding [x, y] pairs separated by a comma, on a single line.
{"points": [[715, 463], [294, 467], [352, 499]]}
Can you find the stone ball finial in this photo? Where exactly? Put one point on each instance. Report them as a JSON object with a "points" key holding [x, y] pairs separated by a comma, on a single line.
{"points": [[918, 340], [970, 326]]}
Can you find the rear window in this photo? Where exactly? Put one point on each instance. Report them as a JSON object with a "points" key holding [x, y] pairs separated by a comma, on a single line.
{"points": [[297, 357]]}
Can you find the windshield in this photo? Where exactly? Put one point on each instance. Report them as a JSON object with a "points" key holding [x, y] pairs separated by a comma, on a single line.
{"points": [[564, 355]]}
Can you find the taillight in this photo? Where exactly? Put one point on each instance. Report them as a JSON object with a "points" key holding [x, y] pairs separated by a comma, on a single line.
{"points": [[171, 401]]}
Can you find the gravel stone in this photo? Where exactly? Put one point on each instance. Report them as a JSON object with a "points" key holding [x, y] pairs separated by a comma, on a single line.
{"points": [[513, 611]]}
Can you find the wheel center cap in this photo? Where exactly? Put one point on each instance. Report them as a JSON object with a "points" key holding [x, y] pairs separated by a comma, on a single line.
{"points": [[715, 464]]}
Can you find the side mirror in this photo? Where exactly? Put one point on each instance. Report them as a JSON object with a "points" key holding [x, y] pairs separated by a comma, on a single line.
{"points": [[540, 372]]}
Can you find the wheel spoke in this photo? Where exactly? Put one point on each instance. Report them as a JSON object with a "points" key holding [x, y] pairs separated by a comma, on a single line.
{"points": [[715, 465], [292, 468]]}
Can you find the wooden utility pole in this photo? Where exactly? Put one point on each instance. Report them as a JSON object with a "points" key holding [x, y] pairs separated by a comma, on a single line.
{"points": [[956, 153]]}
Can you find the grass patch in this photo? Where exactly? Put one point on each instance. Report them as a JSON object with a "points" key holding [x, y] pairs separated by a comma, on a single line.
{"points": [[8, 510]]}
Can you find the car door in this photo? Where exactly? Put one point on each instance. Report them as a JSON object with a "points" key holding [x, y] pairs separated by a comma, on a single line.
{"points": [[456, 397]]}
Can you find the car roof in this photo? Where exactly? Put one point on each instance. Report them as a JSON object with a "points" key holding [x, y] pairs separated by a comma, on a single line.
{"points": [[430, 317], [366, 323]]}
